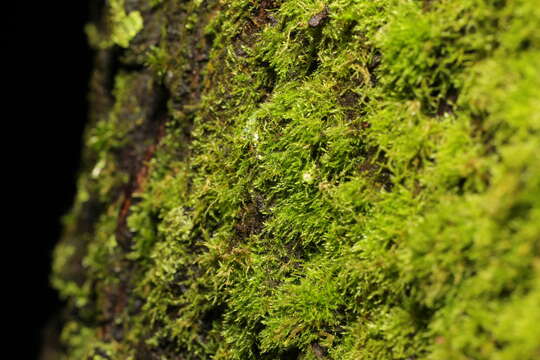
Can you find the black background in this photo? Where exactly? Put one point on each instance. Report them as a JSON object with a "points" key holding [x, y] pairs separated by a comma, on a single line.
{"points": [[44, 114]]}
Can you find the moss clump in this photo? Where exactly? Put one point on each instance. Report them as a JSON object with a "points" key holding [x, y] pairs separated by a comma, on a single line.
{"points": [[120, 27], [301, 179]]}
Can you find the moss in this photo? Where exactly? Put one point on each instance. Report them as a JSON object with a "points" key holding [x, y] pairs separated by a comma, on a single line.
{"points": [[121, 26], [312, 180]]}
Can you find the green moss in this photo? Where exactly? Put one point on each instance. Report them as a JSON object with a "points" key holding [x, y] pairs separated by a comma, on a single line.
{"points": [[122, 27], [341, 180]]}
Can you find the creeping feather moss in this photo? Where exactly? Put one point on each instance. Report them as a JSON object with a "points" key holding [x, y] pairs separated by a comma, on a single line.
{"points": [[299, 179]]}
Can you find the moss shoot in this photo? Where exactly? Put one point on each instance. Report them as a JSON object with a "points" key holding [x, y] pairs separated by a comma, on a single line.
{"points": [[306, 179]]}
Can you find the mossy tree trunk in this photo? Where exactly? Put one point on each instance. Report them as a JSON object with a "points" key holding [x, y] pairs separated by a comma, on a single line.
{"points": [[298, 179]]}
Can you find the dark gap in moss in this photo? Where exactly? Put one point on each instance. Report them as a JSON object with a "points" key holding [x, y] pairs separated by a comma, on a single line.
{"points": [[519, 210], [354, 108], [320, 351], [445, 99], [122, 64], [91, 210], [135, 305], [173, 311], [110, 66], [215, 314], [313, 65], [500, 344], [421, 315], [524, 45], [374, 62], [133, 5], [209, 38], [373, 167], [460, 185], [314, 45], [499, 4], [318, 149], [251, 218], [296, 252], [261, 15], [292, 353], [102, 354], [167, 348], [116, 303], [506, 292], [177, 287], [348, 31], [142, 352], [446, 104], [349, 99], [118, 332], [87, 314], [271, 79], [255, 349]]}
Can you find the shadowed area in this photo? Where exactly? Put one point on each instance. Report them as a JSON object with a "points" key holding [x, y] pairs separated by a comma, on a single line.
{"points": [[53, 71]]}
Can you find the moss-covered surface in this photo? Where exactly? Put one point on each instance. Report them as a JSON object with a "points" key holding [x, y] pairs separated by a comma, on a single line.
{"points": [[298, 179]]}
